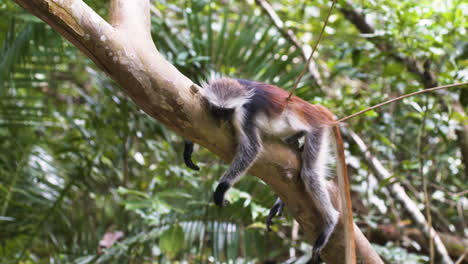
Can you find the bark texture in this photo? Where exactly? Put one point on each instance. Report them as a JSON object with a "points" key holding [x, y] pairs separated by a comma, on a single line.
{"points": [[125, 50]]}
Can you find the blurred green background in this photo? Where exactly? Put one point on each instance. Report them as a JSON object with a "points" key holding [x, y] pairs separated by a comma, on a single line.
{"points": [[78, 159]]}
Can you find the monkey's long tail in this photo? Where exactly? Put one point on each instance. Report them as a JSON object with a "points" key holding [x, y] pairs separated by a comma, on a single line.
{"points": [[345, 197]]}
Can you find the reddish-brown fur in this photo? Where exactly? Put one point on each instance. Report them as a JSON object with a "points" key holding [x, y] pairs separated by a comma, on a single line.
{"points": [[315, 115]]}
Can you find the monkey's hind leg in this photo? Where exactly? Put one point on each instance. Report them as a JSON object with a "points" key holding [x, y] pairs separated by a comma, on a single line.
{"points": [[188, 150], [313, 174]]}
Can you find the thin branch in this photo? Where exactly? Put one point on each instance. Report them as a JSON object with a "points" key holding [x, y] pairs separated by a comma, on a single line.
{"points": [[291, 37], [462, 257], [421, 69], [358, 20], [294, 238], [427, 199], [313, 51], [399, 193], [400, 98]]}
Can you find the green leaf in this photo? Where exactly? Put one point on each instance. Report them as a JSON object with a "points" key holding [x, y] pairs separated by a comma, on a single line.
{"points": [[171, 241], [356, 57], [371, 113]]}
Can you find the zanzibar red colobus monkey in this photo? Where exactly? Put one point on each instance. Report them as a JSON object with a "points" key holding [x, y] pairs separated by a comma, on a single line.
{"points": [[255, 109]]}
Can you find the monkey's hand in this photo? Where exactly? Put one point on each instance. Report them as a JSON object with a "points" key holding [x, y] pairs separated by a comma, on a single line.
{"points": [[277, 209], [191, 165], [188, 150], [218, 195]]}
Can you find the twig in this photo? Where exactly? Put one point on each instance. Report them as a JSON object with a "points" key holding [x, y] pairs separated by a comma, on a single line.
{"points": [[402, 97], [420, 69], [462, 257], [312, 53], [289, 35], [399, 193], [294, 237], [427, 200]]}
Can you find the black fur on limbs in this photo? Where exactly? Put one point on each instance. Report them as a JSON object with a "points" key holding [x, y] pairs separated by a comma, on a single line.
{"points": [[188, 150]]}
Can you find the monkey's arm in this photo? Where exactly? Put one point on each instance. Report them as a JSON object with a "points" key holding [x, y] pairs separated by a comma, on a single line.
{"points": [[188, 150], [249, 146]]}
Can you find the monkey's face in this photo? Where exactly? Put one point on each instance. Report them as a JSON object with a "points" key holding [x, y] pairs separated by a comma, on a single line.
{"points": [[222, 114]]}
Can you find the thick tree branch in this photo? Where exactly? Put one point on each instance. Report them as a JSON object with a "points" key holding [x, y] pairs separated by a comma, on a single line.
{"points": [[125, 51]]}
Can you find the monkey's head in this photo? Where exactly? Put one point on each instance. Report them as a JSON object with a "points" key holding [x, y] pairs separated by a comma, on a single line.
{"points": [[224, 96]]}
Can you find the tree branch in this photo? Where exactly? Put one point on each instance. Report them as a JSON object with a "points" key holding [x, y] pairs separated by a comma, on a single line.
{"points": [[401, 97], [398, 192], [125, 51], [289, 35], [421, 70], [398, 233]]}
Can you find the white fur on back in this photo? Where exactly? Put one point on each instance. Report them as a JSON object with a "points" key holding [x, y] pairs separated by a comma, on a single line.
{"points": [[285, 125], [324, 156]]}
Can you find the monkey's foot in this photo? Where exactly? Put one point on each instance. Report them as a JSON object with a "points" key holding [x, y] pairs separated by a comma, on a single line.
{"points": [[316, 257], [277, 209], [318, 246], [218, 195], [192, 165]]}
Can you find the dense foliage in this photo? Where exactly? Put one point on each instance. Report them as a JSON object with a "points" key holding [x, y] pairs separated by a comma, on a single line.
{"points": [[78, 159]]}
